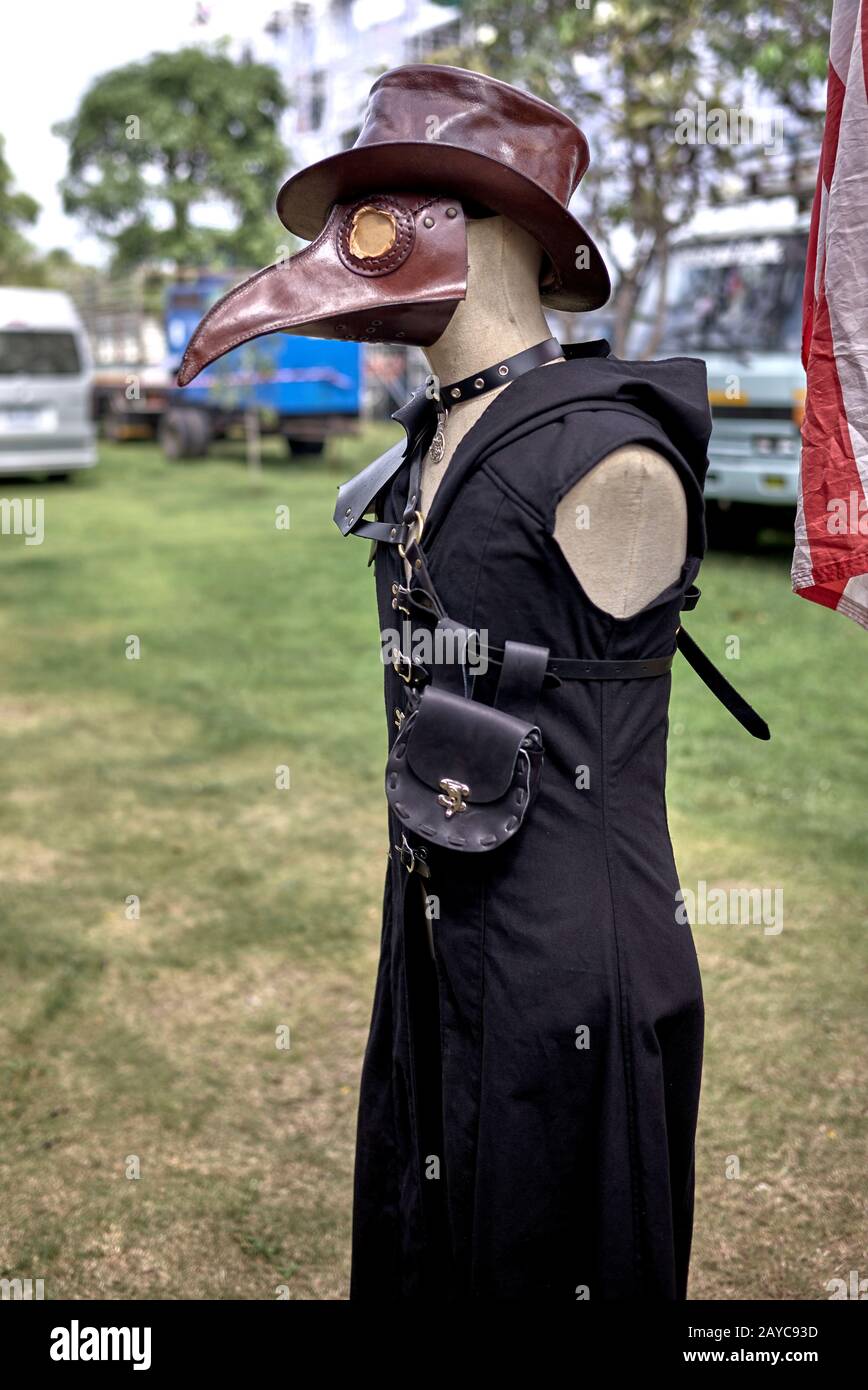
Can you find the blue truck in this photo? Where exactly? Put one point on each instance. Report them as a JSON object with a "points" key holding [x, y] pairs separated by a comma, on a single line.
{"points": [[306, 389]]}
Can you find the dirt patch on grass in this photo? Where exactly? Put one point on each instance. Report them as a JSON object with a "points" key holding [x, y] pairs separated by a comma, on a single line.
{"points": [[18, 716], [27, 861]]}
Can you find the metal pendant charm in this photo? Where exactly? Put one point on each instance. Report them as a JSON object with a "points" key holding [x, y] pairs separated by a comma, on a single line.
{"points": [[437, 447]]}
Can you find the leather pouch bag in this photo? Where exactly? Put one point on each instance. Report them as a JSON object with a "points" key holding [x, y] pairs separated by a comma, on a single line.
{"points": [[462, 774]]}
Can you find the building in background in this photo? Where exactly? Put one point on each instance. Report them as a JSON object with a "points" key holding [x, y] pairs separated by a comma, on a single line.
{"points": [[329, 52]]}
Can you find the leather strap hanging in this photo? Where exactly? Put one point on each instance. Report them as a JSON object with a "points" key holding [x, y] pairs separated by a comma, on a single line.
{"points": [[720, 686]]}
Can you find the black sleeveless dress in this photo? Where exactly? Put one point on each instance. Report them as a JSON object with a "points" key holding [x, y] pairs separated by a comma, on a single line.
{"points": [[529, 1094]]}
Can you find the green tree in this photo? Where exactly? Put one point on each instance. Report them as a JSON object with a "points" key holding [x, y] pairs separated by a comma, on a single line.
{"points": [[18, 262], [624, 68], [155, 141], [784, 44]]}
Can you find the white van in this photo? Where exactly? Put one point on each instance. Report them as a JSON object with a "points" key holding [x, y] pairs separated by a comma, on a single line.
{"points": [[45, 385]]}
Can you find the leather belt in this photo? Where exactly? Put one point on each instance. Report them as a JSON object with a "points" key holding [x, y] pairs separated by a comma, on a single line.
{"points": [[574, 669], [422, 603], [557, 668]]}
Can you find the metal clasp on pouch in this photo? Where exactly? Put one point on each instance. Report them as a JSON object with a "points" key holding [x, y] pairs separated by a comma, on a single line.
{"points": [[453, 796]]}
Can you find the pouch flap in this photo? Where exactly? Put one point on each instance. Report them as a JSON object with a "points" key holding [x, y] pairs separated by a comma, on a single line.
{"points": [[465, 741]]}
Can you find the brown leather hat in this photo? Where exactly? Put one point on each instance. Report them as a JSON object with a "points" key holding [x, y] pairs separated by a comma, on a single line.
{"points": [[468, 136]]}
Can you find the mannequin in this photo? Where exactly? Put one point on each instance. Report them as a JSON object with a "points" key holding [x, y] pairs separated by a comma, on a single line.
{"points": [[636, 540], [528, 1099]]}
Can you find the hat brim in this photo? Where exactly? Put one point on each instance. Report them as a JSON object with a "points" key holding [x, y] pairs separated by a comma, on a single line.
{"points": [[304, 202]]}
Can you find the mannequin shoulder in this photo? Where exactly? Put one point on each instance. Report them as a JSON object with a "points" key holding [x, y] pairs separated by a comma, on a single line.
{"points": [[634, 468], [623, 529]]}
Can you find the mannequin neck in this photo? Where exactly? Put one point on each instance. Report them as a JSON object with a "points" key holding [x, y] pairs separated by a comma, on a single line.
{"points": [[502, 313]]}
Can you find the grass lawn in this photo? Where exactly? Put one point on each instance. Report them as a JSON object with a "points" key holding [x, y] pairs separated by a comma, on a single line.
{"points": [[141, 1039]]}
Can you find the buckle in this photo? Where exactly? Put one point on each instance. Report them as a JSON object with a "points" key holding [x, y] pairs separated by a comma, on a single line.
{"points": [[412, 673], [419, 523], [399, 660]]}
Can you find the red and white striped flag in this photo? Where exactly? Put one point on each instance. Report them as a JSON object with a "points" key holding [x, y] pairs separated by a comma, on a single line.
{"points": [[830, 561]]}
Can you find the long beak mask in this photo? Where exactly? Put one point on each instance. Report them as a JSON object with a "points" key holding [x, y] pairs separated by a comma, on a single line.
{"points": [[386, 269]]}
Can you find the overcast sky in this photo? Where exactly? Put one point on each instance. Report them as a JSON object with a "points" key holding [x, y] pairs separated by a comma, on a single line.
{"points": [[50, 53]]}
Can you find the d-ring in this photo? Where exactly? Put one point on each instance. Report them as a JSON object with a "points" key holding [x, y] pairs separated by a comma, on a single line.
{"points": [[420, 523]]}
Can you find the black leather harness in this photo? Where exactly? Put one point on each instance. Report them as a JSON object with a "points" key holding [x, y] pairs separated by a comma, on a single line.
{"points": [[420, 599]]}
